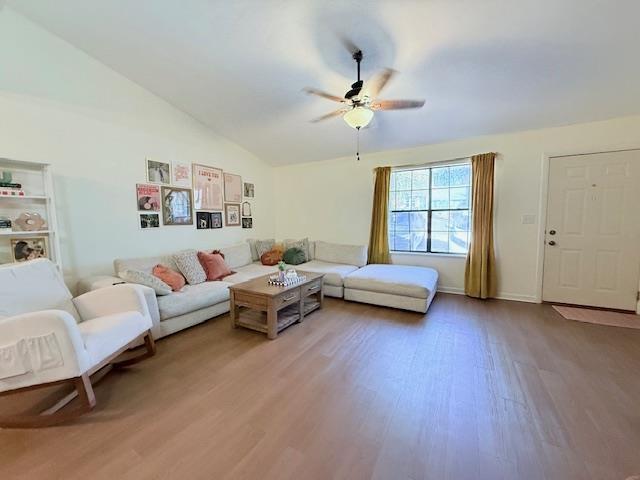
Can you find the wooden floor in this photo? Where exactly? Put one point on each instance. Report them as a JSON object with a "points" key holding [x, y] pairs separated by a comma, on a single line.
{"points": [[474, 390]]}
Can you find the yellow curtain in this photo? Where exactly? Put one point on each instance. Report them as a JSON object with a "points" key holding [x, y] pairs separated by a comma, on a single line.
{"points": [[480, 271], [379, 238]]}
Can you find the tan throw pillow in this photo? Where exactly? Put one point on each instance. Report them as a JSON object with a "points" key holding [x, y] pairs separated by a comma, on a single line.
{"points": [[189, 265]]}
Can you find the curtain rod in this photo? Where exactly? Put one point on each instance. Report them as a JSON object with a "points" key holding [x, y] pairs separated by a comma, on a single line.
{"points": [[422, 164]]}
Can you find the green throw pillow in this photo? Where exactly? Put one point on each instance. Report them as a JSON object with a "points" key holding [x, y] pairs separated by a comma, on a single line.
{"points": [[294, 256]]}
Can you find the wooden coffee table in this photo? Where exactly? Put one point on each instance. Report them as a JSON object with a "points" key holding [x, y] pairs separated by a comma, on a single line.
{"points": [[282, 305]]}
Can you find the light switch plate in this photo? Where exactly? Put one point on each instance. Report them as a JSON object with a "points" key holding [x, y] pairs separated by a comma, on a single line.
{"points": [[528, 219]]}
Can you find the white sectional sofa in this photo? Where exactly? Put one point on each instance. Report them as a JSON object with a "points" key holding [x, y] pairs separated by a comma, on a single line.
{"points": [[346, 275]]}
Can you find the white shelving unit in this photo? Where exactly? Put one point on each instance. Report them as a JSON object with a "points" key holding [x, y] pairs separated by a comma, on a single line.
{"points": [[37, 183]]}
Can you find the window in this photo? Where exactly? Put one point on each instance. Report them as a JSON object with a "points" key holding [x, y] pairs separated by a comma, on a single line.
{"points": [[429, 209]]}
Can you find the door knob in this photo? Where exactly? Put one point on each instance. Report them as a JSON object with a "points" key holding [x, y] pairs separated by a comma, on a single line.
{"points": [[552, 243]]}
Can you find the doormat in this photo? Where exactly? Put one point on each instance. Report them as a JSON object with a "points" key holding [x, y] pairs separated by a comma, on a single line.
{"points": [[600, 317]]}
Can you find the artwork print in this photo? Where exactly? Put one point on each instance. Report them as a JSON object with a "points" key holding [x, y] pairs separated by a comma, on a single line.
{"points": [[148, 197], [216, 220], [176, 206], [232, 214], [203, 220], [232, 188], [149, 220], [249, 190], [181, 174], [30, 248], [158, 172], [207, 187], [247, 223]]}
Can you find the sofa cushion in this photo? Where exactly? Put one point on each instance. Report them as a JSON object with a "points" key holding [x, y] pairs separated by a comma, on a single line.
{"points": [[404, 280], [251, 271], [103, 336], [189, 265], [146, 279], [344, 254], [171, 277], [334, 272], [191, 298], [237, 255]]}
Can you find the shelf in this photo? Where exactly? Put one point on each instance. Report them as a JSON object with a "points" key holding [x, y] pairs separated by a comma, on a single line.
{"points": [[25, 197], [23, 234]]}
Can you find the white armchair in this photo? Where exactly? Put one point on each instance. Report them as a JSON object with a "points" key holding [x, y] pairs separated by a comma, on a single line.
{"points": [[47, 337]]}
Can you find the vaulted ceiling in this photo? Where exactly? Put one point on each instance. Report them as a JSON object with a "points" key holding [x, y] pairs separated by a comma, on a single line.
{"points": [[482, 66]]}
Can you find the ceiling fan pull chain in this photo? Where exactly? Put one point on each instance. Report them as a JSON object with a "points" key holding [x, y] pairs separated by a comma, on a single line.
{"points": [[358, 144]]}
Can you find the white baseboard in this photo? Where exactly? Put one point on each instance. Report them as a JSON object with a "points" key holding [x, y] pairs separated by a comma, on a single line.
{"points": [[514, 297]]}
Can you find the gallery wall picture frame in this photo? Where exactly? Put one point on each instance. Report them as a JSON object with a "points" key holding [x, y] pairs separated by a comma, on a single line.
{"points": [[148, 221], [216, 219], [148, 197], [181, 174], [232, 188], [29, 248], [247, 222], [177, 206], [208, 186], [246, 209], [249, 190], [232, 214], [158, 172], [203, 220]]}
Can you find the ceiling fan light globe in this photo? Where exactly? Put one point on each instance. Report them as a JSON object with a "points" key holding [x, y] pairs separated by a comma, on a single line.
{"points": [[358, 117]]}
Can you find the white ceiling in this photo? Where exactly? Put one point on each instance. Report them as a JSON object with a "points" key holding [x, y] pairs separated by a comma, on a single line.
{"points": [[482, 66]]}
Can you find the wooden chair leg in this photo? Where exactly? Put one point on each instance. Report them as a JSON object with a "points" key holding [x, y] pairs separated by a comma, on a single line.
{"points": [[150, 351], [53, 415]]}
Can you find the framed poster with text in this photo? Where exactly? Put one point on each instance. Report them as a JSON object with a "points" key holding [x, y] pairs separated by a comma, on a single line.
{"points": [[232, 188], [207, 187]]}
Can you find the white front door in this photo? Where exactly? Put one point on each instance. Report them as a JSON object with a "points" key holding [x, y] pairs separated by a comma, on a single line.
{"points": [[592, 247]]}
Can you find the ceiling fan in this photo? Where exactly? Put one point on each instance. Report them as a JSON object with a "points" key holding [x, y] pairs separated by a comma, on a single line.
{"points": [[360, 103]]}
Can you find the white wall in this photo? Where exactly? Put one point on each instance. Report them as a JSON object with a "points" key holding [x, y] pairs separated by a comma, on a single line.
{"points": [[95, 127], [331, 200]]}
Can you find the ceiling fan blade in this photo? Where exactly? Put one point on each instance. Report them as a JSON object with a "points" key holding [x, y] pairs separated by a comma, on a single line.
{"points": [[373, 87], [320, 93], [335, 113], [396, 104], [348, 44]]}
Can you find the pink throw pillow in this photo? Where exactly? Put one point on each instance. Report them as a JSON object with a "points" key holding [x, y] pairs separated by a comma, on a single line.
{"points": [[214, 265], [172, 278]]}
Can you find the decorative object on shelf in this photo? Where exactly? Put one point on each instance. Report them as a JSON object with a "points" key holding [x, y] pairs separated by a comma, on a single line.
{"points": [[29, 248], [232, 214], [232, 188], [207, 187], [203, 220], [247, 222], [246, 209], [176, 206], [281, 268], [30, 222], [158, 172], [6, 176], [286, 280], [11, 192], [148, 197], [5, 225], [181, 174], [249, 190], [149, 220], [216, 219]]}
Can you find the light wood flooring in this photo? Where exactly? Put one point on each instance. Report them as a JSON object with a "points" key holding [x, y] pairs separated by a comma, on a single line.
{"points": [[473, 390]]}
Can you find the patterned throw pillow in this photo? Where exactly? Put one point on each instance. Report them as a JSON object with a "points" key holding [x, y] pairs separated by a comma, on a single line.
{"points": [[172, 278], [293, 256], [146, 279], [272, 257], [188, 264], [263, 246], [301, 244]]}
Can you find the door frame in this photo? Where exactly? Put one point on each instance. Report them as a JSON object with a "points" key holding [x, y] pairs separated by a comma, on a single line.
{"points": [[543, 200]]}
